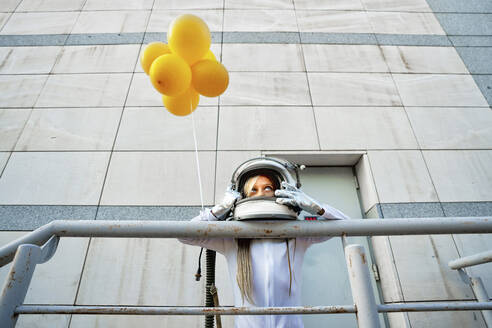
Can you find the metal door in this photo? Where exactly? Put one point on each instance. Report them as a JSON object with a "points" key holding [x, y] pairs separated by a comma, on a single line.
{"points": [[325, 277]]}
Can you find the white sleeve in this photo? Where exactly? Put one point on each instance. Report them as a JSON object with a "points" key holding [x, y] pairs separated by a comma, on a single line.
{"points": [[216, 244], [331, 213]]}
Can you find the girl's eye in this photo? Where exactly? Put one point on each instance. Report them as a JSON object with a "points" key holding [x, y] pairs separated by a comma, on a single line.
{"points": [[268, 188], [253, 191]]}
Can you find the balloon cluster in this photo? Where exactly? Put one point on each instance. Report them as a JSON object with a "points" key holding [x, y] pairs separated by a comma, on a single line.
{"points": [[185, 68]]}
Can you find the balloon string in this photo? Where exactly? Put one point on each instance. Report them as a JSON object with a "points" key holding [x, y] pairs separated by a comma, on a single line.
{"points": [[196, 153]]}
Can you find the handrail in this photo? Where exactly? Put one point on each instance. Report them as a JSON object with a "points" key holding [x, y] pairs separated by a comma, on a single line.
{"points": [[471, 260], [38, 246], [236, 229]]}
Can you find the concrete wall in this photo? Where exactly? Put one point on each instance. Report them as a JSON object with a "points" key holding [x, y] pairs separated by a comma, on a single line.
{"points": [[399, 89]]}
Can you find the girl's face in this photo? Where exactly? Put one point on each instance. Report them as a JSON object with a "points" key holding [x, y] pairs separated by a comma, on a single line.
{"points": [[262, 187]]}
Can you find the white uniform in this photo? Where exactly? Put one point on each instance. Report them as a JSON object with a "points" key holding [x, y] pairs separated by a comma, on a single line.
{"points": [[270, 271]]}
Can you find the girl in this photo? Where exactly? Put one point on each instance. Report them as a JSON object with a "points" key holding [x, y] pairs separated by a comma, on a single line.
{"points": [[265, 272]]}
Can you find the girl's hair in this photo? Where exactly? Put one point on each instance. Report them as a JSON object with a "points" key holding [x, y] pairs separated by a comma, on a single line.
{"points": [[244, 275], [248, 185]]}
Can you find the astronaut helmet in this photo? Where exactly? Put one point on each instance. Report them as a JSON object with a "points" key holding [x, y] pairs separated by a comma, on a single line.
{"points": [[277, 170]]}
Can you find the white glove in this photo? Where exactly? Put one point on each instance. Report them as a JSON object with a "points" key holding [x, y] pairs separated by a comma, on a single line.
{"points": [[230, 197], [294, 197]]}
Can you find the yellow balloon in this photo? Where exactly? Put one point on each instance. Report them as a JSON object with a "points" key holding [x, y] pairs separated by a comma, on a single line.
{"points": [[189, 37], [209, 55], [183, 104], [210, 78], [170, 75], [151, 52]]}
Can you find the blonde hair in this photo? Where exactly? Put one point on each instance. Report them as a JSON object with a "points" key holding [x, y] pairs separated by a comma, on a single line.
{"points": [[248, 185]]}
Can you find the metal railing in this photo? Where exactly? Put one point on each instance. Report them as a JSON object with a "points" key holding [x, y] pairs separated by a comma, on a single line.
{"points": [[40, 245]]}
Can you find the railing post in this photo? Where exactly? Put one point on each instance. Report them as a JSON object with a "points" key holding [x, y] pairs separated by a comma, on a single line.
{"points": [[360, 283], [482, 296], [19, 278], [17, 283]]}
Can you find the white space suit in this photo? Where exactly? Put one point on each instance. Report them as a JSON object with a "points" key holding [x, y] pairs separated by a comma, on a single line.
{"points": [[270, 271]]}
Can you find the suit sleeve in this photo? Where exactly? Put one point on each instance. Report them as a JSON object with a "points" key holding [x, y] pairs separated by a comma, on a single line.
{"points": [[216, 244], [330, 213]]}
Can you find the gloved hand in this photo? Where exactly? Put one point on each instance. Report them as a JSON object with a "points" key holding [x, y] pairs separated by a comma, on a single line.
{"points": [[230, 197], [294, 197]]}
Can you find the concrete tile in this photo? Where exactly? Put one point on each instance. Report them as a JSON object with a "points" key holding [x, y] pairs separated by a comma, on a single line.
{"points": [[20, 90], [411, 210], [3, 19], [333, 21], [12, 123], [64, 270], [435, 280], [461, 175], [262, 57], [466, 24], [337, 38], [267, 20], [31, 217], [477, 59], [471, 41], [40, 23], [129, 321], [88, 39], [455, 319], [85, 90], [343, 128], [159, 178], [153, 213], [470, 6], [458, 128], [367, 188], [467, 209], [252, 128], [404, 59], [32, 40], [484, 83], [391, 170], [43, 321], [4, 157], [190, 4], [53, 178], [438, 90], [259, 4], [137, 267], [97, 59], [52, 5], [405, 23], [157, 129], [265, 89], [227, 162], [328, 5], [343, 58], [111, 21], [261, 37], [70, 129], [160, 20], [27, 60], [353, 89], [118, 4], [9, 6], [143, 94], [422, 40], [473, 244], [399, 5]]}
